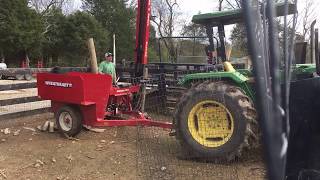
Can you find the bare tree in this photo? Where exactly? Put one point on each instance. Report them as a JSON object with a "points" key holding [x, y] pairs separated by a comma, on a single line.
{"points": [[43, 6], [306, 17], [69, 6], [165, 15], [229, 4], [220, 5]]}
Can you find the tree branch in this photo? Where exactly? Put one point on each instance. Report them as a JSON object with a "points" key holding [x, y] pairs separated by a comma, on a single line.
{"points": [[230, 4]]}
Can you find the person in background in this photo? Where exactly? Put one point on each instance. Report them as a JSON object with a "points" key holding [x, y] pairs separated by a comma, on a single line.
{"points": [[123, 61], [107, 67], [3, 65]]}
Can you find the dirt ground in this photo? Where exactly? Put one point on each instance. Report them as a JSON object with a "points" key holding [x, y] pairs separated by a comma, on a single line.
{"points": [[118, 153]]}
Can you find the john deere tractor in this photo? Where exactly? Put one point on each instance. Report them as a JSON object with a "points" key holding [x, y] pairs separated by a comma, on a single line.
{"points": [[216, 118]]}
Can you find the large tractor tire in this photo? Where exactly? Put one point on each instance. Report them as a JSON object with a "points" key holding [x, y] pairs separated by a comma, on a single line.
{"points": [[215, 121]]}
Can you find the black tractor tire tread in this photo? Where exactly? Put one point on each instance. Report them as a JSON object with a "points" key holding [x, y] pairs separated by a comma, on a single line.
{"points": [[251, 136]]}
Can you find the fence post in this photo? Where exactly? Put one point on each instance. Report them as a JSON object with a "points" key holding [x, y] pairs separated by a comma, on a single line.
{"points": [[162, 86], [23, 64], [144, 90]]}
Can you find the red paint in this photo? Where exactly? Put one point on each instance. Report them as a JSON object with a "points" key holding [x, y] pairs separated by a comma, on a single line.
{"points": [[142, 30], [23, 64], [92, 94], [40, 64]]}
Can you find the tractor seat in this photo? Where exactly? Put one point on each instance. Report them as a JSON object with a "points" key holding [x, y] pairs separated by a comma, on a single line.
{"points": [[123, 84]]}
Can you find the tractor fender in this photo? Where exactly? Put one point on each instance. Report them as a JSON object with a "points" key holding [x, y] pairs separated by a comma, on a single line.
{"points": [[235, 77]]}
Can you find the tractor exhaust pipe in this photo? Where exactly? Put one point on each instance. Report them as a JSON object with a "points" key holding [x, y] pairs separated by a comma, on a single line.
{"points": [[93, 56], [312, 42], [317, 51]]}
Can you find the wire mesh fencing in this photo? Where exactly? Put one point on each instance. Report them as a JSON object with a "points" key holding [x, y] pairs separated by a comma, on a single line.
{"points": [[207, 112], [158, 153]]}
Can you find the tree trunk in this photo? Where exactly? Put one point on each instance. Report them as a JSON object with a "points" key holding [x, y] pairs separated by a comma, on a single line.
{"points": [[172, 52], [220, 5], [27, 61], [194, 44], [50, 61], [2, 59]]}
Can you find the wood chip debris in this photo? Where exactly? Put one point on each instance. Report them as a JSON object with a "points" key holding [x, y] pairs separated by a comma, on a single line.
{"points": [[16, 133], [62, 178], [100, 146], [69, 158], [30, 129], [90, 157], [26, 166], [70, 137], [97, 130], [163, 168], [3, 173], [47, 126], [5, 131], [51, 127], [38, 163]]}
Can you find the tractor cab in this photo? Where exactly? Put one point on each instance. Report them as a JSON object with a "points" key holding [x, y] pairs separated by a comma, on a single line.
{"points": [[220, 19]]}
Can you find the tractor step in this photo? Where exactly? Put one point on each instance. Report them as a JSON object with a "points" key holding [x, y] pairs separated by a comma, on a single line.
{"points": [[177, 88], [172, 99], [171, 110], [175, 92]]}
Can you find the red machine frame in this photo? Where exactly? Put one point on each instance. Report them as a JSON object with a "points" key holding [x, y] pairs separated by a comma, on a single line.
{"points": [[92, 94]]}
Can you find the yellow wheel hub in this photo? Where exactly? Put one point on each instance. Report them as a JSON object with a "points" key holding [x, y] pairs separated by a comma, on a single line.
{"points": [[210, 123]]}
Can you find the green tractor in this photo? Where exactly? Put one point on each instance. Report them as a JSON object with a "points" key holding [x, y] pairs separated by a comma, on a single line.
{"points": [[216, 118]]}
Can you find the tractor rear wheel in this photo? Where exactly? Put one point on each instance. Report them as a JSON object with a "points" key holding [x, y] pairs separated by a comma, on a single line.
{"points": [[215, 121], [69, 120]]}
